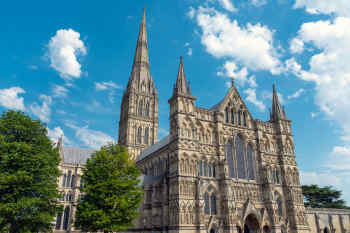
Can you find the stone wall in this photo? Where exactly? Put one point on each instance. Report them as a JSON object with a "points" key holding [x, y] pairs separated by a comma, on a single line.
{"points": [[328, 220]]}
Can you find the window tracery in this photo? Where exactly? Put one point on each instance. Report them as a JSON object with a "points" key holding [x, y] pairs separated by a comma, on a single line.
{"points": [[241, 168]]}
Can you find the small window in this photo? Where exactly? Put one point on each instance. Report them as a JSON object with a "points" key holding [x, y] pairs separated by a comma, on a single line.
{"points": [[147, 110], [213, 204], [244, 118], [140, 108], [232, 117], [239, 117], [146, 136], [226, 115], [206, 204], [139, 136]]}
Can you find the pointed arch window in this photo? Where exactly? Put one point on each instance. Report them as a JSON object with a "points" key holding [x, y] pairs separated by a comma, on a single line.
{"points": [[146, 136], [244, 118], [72, 181], [140, 108], [147, 110], [241, 168], [206, 204], [279, 207], [64, 180], [232, 117], [239, 117], [68, 182], [205, 168], [213, 204], [66, 218], [226, 115], [58, 221], [230, 160], [139, 136], [250, 160]]}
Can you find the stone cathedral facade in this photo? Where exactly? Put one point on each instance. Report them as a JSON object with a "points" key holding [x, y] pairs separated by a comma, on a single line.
{"points": [[218, 170]]}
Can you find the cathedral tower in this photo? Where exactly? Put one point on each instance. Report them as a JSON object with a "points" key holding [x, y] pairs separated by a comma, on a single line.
{"points": [[138, 125]]}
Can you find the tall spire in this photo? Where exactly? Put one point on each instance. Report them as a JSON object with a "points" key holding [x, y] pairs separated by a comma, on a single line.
{"points": [[140, 69], [277, 112], [181, 86]]}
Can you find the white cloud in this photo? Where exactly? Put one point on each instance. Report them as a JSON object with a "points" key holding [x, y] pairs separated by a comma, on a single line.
{"points": [[338, 7], [92, 138], [328, 69], [296, 45], [43, 111], [258, 3], [59, 91], [191, 13], [189, 52], [268, 95], [296, 94], [9, 98], [108, 86], [227, 5], [63, 51], [239, 75], [55, 133], [251, 46], [313, 115], [251, 97]]}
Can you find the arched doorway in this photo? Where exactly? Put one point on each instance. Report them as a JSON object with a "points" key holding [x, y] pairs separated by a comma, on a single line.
{"points": [[251, 224], [325, 230], [266, 229], [212, 230]]}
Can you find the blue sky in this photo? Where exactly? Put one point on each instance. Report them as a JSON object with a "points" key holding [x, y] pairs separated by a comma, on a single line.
{"points": [[68, 62]]}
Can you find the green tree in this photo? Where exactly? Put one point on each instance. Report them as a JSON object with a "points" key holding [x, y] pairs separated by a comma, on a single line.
{"points": [[322, 197], [112, 195], [28, 175]]}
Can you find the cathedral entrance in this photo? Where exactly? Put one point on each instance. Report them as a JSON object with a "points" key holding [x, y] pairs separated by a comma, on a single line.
{"points": [[251, 224], [266, 229], [212, 230]]}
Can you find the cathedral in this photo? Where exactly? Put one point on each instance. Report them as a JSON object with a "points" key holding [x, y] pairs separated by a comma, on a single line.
{"points": [[218, 170]]}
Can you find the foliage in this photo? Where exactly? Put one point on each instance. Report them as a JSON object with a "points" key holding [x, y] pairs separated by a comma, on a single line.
{"points": [[28, 175], [112, 195], [322, 197]]}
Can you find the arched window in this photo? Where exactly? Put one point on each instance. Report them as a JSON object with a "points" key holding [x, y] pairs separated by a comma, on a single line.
{"points": [[213, 204], [139, 135], [240, 158], [58, 221], [239, 117], [206, 204], [279, 207], [68, 182], [194, 133], [209, 170], [72, 181], [66, 218], [146, 136], [244, 118], [278, 180], [200, 168], [250, 159], [214, 170], [230, 161], [147, 110], [205, 167], [232, 117], [64, 180], [226, 115], [140, 108]]}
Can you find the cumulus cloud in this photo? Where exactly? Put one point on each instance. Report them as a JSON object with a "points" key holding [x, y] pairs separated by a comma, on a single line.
{"points": [[9, 98], [43, 111], [268, 95], [296, 45], [296, 94], [338, 7], [55, 133], [251, 97], [240, 75], [59, 91], [108, 86], [191, 12], [63, 51], [328, 69], [92, 138], [252, 46]]}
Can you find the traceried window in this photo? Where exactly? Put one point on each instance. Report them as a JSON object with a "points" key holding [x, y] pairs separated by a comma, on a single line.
{"points": [[64, 179], [72, 184], [146, 136], [69, 177], [147, 110], [205, 169], [230, 160], [140, 108], [240, 158], [139, 136], [206, 204], [213, 204], [200, 168], [66, 218], [250, 160]]}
